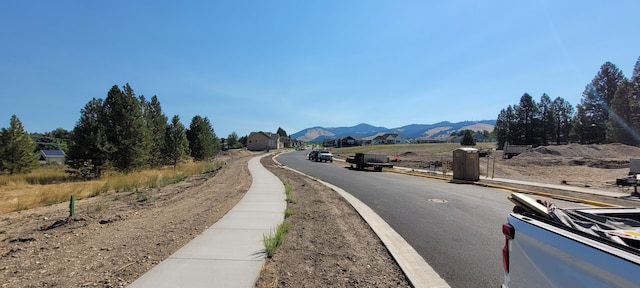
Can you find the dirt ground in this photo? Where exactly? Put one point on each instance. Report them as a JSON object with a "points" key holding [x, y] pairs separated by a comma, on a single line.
{"points": [[115, 238], [328, 245], [588, 166]]}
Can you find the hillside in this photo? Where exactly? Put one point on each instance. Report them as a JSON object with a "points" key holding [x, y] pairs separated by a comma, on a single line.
{"points": [[413, 131]]}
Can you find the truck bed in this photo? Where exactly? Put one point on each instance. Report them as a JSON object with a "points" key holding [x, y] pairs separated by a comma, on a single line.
{"points": [[541, 251]]}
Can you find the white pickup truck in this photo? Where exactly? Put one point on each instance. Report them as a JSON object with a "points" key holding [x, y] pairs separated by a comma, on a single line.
{"points": [[546, 246]]}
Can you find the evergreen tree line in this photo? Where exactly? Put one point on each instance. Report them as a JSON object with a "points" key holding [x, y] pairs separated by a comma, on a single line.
{"points": [[20, 151], [124, 131], [128, 132], [608, 112], [17, 153]]}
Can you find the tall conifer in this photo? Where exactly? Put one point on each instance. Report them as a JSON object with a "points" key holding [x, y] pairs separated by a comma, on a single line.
{"points": [[17, 149], [125, 129]]}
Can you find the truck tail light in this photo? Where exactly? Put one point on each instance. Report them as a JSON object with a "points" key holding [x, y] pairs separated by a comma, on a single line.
{"points": [[509, 233]]}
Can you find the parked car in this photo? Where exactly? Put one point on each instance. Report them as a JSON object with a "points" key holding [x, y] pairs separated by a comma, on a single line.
{"points": [[325, 156]]}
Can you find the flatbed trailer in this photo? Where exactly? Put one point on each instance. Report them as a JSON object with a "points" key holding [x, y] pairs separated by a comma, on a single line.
{"points": [[375, 161]]}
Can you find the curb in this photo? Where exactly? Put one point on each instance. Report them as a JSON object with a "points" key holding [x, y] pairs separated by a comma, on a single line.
{"points": [[525, 191], [418, 272]]}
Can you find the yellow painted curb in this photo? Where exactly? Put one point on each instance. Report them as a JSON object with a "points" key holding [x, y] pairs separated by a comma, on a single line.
{"points": [[543, 194]]}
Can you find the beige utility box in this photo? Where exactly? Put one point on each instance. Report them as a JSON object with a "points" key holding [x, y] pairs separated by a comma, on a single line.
{"points": [[634, 166], [466, 164]]}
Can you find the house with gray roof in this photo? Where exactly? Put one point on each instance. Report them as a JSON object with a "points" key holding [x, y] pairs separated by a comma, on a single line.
{"points": [[52, 157]]}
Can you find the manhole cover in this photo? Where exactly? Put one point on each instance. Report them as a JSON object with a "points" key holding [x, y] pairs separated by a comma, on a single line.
{"points": [[438, 200]]}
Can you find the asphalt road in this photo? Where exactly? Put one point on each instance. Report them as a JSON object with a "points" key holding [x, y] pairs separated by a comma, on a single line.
{"points": [[455, 227]]}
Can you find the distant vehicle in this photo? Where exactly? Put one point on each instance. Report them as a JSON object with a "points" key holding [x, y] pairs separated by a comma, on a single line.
{"points": [[313, 155], [513, 150], [484, 152], [325, 156], [546, 246], [376, 161]]}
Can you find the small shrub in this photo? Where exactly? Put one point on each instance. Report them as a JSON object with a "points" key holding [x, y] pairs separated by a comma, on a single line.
{"points": [[274, 240], [152, 182], [142, 196]]}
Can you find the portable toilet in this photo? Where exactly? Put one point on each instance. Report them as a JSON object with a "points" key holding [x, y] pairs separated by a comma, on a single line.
{"points": [[634, 166], [466, 164]]}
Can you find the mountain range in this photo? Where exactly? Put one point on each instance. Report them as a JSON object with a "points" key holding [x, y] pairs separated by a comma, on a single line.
{"points": [[438, 130]]}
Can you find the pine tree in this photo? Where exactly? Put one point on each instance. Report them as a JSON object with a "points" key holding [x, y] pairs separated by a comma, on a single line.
{"points": [[562, 114], [156, 123], [125, 129], [17, 149], [503, 129], [203, 143], [596, 101], [281, 132], [176, 145], [525, 114], [619, 127], [232, 140], [546, 129], [579, 125], [467, 138], [243, 140], [634, 104], [88, 152]]}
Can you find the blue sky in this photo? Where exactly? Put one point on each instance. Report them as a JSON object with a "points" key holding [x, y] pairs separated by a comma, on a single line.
{"points": [[259, 65]]}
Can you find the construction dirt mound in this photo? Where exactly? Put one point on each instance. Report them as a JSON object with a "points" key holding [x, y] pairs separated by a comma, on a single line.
{"points": [[604, 156]]}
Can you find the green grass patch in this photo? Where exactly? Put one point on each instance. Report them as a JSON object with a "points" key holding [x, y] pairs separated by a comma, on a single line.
{"points": [[274, 240], [97, 190], [142, 196], [288, 212], [287, 192], [152, 182], [165, 181]]}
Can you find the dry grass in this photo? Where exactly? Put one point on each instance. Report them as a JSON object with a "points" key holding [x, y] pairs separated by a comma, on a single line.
{"points": [[51, 185]]}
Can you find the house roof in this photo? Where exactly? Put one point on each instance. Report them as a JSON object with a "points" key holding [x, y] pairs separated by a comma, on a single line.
{"points": [[53, 153], [386, 136], [265, 134], [270, 135]]}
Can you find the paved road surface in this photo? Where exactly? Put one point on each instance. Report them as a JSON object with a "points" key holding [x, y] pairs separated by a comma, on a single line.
{"points": [[455, 227]]}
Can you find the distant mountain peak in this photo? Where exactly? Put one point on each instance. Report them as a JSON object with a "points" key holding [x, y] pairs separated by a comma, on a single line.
{"points": [[412, 131]]}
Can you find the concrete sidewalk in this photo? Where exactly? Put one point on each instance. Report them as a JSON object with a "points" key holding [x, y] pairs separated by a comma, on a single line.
{"points": [[230, 253]]}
